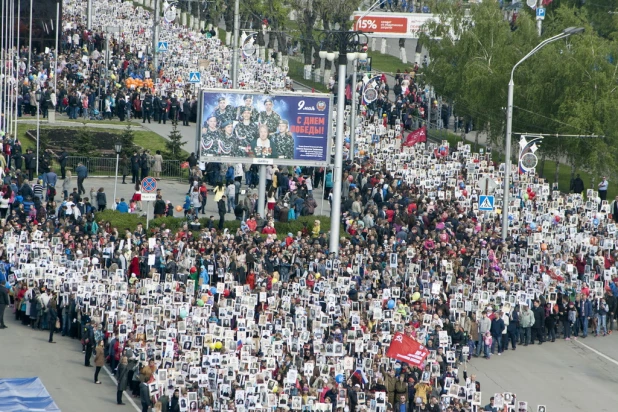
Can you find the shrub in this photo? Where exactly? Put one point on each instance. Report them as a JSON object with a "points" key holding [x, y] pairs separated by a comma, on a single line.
{"points": [[123, 221]]}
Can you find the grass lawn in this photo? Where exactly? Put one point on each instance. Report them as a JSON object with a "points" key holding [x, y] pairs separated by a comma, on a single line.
{"points": [[387, 63], [114, 122], [296, 73], [143, 138]]}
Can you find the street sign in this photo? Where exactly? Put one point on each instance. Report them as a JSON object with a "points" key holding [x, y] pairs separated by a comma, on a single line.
{"points": [[195, 77], [149, 197], [162, 46], [149, 184], [540, 13], [487, 185], [486, 203]]}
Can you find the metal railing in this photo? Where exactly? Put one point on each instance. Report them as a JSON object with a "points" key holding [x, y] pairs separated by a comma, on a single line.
{"points": [[106, 167]]}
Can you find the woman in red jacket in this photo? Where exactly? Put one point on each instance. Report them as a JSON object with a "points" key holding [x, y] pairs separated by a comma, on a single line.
{"points": [[134, 266]]}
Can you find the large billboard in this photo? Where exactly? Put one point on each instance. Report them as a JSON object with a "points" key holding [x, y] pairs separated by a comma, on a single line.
{"points": [[398, 25], [282, 129]]}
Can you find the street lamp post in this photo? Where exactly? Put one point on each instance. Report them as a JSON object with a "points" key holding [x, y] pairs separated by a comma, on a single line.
{"points": [[347, 45], [509, 123], [37, 96], [118, 148]]}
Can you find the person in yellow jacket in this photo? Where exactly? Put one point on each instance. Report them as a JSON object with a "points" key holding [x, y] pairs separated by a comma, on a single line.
{"points": [[315, 232]]}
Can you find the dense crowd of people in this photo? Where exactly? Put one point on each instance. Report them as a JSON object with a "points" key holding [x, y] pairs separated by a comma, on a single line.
{"points": [[208, 319]]}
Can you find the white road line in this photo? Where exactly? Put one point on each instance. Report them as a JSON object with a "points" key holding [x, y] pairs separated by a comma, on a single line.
{"points": [[127, 395], [614, 361]]}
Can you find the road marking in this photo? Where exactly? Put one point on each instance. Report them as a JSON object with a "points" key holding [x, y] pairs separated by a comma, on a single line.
{"points": [[127, 395], [614, 361]]}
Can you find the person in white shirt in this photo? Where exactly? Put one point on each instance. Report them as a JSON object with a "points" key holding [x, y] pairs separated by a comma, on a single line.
{"points": [[230, 192]]}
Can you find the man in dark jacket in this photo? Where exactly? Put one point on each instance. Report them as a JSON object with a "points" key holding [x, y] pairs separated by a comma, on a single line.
{"points": [[497, 326], [159, 207], [539, 322], [186, 112], [221, 206], [30, 163], [88, 337], [144, 395], [63, 158], [135, 161], [4, 302], [144, 163], [577, 185], [147, 107]]}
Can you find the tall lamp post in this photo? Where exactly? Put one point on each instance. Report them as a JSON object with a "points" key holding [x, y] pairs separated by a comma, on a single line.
{"points": [[509, 123], [118, 148], [37, 96], [343, 46]]}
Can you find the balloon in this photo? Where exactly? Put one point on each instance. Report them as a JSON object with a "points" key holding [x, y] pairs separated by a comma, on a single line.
{"points": [[213, 290], [557, 218], [465, 193], [595, 221], [390, 304], [178, 208], [212, 345], [416, 296], [532, 225], [200, 302], [183, 313], [526, 196], [218, 345], [193, 269], [339, 378], [274, 281], [226, 293]]}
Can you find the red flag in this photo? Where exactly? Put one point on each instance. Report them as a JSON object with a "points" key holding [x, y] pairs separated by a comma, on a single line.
{"points": [[417, 136], [406, 349]]}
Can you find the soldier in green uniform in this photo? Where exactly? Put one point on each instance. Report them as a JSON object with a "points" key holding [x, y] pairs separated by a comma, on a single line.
{"points": [[269, 117], [245, 132], [226, 145], [283, 140], [248, 105], [224, 112], [210, 137]]}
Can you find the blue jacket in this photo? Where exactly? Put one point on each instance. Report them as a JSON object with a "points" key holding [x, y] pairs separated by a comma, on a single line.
{"points": [[122, 207], [497, 326], [82, 171]]}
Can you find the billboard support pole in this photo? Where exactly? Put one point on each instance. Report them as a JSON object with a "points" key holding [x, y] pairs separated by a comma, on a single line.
{"points": [[262, 191], [89, 14], [338, 166], [198, 123]]}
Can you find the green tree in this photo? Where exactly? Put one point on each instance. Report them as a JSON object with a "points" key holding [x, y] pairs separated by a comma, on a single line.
{"points": [[127, 139], [174, 144]]}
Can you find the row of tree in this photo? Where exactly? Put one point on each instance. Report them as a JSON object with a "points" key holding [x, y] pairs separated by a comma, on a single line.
{"points": [[569, 87]]}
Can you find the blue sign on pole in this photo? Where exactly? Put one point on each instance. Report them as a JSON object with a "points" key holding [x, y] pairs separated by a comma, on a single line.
{"points": [[149, 184], [162, 46], [195, 77], [486, 203], [540, 13]]}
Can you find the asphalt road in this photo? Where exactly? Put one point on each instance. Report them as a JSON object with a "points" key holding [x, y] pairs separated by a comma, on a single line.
{"points": [[60, 366], [563, 376]]}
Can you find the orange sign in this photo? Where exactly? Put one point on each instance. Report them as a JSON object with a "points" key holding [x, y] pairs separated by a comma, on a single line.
{"points": [[380, 24]]}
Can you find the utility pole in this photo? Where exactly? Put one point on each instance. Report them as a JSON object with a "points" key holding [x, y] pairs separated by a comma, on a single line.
{"points": [[155, 38], [353, 111], [235, 45]]}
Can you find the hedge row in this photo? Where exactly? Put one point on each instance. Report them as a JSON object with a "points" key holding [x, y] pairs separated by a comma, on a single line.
{"points": [[123, 221]]}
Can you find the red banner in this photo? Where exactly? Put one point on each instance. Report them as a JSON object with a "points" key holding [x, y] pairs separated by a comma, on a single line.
{"points": [[417, 136], [406, 349]]}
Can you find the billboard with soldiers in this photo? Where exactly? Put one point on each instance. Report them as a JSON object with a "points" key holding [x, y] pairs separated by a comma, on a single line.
{"points": [[282, 129]]}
